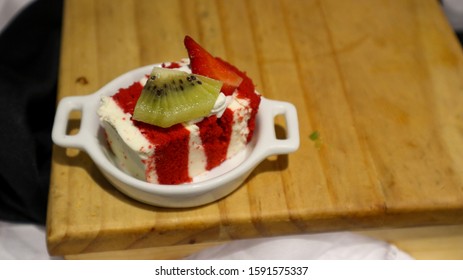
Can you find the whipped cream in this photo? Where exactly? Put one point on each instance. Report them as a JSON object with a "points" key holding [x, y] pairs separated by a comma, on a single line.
{"points": [[220, 105]]}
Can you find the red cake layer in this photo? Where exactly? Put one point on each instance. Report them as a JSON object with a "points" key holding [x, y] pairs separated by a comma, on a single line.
{"points": [[215, 135]]}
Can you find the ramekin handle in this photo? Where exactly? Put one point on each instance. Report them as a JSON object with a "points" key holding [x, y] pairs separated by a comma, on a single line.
{"points": [[271, 144], [59, 133]]}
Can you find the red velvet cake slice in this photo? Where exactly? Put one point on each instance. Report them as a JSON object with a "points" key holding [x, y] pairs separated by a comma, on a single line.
{"points": [[176, 154]]}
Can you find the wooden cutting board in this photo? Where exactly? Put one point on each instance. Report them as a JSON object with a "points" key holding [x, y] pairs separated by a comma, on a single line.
{"points": [[380, 82]]}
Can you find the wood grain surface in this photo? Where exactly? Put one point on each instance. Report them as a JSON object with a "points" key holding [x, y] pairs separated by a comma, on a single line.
{"points": [[380, 81]]}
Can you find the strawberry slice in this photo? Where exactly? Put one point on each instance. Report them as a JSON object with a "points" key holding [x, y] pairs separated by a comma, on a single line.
{"points": [[203, 63]]}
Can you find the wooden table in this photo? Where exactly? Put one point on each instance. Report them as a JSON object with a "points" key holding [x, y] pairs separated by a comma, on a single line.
{"points": [[380, 81]]}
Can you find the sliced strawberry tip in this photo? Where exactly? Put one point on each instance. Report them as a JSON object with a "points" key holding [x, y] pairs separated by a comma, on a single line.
{"points": [[203, 63], [247, 86], [227, 89]]}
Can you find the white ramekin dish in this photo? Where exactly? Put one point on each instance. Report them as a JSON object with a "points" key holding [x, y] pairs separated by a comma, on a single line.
{"points": [[207, 188]]}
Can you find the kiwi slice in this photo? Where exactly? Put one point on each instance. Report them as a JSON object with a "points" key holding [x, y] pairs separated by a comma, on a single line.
{"points": [[172, 96]]}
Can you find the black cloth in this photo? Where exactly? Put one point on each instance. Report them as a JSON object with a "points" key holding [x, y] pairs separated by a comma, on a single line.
{"points": [[460, 36], [29, 57]]}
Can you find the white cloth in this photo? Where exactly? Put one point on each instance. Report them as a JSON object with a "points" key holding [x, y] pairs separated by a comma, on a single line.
{"points": [[454, 12], [324, 246], [22, 242], [9, 9]]}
